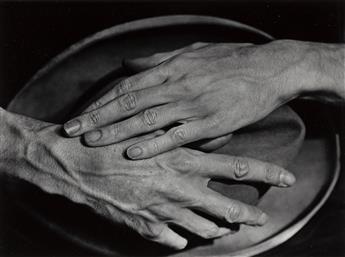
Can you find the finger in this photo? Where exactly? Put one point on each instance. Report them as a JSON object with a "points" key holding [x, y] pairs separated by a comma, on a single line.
{"points": [[173, 138], [241, 168], [232, 211], [135, 140], [210, 145], [198, 225], [139, 81], [190, 221], [162, 234], [144, 63], [119, 108], [144, 122]]}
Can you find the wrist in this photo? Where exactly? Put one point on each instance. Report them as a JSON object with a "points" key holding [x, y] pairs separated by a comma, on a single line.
{"points": [[28, 151], [309, 69], [321, 72], [12, 143]]}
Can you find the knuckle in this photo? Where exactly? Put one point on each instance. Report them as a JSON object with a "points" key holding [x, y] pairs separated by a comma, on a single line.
{"points": [[96, 104], [154, 147], [211, 129], [128, 102], [240, 167], [197, 44], [183, 161], [272, 174], [186, 165], [179, 136], [114, 129], [194, 201], [134, 223], [179, 62], [149, 117], [156, 56], [152, 232], [209, 232], [94, 117], [233, 212], [124, 86]]}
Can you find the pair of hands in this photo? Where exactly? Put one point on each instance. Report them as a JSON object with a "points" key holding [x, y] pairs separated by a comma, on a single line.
{"points": [[209, 90]]}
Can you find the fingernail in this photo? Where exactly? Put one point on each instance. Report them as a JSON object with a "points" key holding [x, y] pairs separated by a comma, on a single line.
{"points": [[93, 136], [224, 231], [287, 179], [72, 127], [262, 219], [134, 152]]}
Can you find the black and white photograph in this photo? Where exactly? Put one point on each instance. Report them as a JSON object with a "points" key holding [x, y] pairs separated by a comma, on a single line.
{"points": [[184, 128]]}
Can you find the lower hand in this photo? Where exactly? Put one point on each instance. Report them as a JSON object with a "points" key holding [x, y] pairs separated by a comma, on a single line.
{"points": [[145, 195]]}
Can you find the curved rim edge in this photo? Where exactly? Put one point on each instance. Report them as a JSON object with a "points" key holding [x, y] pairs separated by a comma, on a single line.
{"points": [[153, 22], [160, 21]]}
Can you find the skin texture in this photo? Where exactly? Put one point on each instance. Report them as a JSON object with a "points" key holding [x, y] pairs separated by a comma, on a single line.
{"points": [[207, 91], [144, 195]]}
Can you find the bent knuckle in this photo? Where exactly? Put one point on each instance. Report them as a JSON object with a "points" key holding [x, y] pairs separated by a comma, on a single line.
{"points": [[240, 167], [124, 86], [179, 136], [272, 174], [94, 117], [115, 129], [209, 232], [187, 165], [149, 117], [154, 147], [128, 102], [96, 104], [152, 232], [233, 212], [198, 44], [184, 161]]}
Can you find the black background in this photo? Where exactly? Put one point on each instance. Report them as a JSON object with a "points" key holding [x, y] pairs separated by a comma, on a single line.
{"points": [[31, 33]]}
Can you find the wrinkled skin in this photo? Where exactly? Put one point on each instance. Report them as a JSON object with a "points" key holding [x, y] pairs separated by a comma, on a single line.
{"points": [[145, 195], [210, 89]]}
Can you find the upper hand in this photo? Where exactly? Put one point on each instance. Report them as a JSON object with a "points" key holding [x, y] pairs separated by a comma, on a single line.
{"points": [[211, 90]]}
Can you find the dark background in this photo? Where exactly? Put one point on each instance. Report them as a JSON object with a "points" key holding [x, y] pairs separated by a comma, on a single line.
{"points": [[31, 33]]}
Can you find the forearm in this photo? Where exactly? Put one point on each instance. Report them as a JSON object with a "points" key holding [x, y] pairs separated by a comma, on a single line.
{"points": [[320, 73]]}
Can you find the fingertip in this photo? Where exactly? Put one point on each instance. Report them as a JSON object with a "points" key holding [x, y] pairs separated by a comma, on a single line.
{"points": [[181, 243], [262, 219], [224, 231], [92, 137], [170, 238], [287, 179]]}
